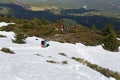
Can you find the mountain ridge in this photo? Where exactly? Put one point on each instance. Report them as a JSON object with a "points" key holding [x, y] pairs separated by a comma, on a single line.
{"points": [[107, 5]]}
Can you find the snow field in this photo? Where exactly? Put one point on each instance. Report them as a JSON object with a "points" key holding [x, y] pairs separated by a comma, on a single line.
{"points": [[30, 60]]}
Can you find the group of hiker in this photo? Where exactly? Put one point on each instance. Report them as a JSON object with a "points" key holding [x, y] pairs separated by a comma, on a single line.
{"points": [[44, 44], [64, 29]]}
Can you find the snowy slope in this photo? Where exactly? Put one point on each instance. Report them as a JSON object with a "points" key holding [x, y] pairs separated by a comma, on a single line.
{"points": [[26, 65]]}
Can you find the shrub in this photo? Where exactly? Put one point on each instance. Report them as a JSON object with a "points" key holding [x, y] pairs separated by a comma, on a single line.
{"points": [[8, 28], [80, 60], [110, 41], [51, 61], [39, 55], [19, 38], [105, 71], [64, 62], [7, 50], [63, 54], [19, 41], [2, 36]]}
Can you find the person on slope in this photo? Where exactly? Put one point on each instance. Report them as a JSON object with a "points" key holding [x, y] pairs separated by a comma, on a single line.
{"points": [[44, 44], [62, 27]]}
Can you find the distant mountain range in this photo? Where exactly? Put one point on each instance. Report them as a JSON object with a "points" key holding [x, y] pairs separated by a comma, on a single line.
{"points": [[105, 5]]}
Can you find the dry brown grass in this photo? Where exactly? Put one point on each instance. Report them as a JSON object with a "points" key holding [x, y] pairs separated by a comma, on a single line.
{"points": [[75, 34], [80, 34], [105, 71]]}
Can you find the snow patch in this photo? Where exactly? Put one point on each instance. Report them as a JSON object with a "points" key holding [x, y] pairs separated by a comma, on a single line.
{"points": [[5, 24]]}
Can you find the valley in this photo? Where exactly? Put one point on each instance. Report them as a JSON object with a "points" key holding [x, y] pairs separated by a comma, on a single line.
{"points": [[87, 20]]}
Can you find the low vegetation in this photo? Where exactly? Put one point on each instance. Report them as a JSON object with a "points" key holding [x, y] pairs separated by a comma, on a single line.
{"points": [[51, 61], [105, 71], [2, 35], [19, 39], [7, 50], [51, 31], [64, 62], [110, 41], [39, 55], [63, 54], [81, 34]]}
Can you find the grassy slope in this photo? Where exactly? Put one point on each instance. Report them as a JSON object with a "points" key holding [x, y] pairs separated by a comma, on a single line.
{"points": [[75, 34]]}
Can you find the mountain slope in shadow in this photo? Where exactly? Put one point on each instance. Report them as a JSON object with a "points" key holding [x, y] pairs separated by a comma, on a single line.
{"points": [[99, 21]]}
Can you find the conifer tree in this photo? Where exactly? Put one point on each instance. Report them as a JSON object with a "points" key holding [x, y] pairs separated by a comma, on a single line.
{"points": [[93, 27], [108, 29], [110, 41], [36, 22]]}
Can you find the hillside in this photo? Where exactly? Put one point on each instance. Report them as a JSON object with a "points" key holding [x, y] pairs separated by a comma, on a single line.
{"points": [[81, 16], [52, 31], [107, 5], [32, 62], [84, 12]]}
